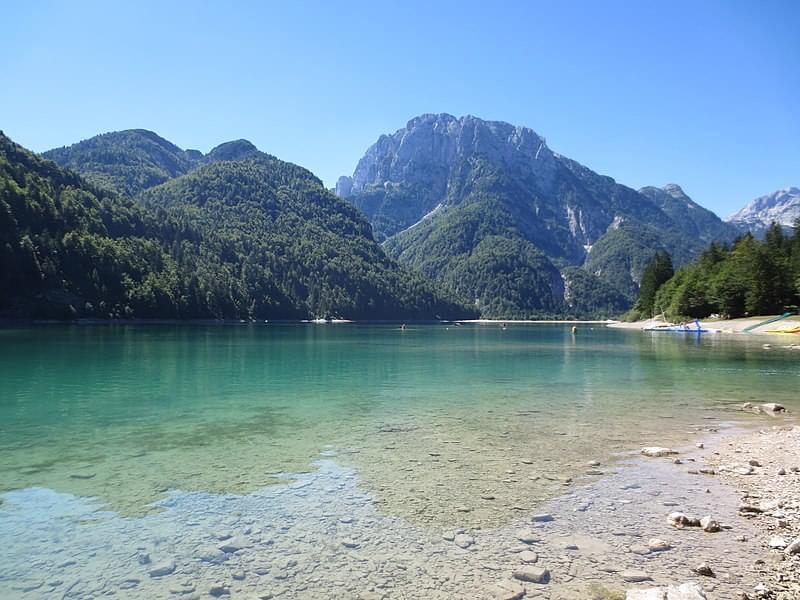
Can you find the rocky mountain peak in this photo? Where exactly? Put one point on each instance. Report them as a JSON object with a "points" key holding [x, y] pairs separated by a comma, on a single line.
{"points": [[429, 145], [674, 190], [781, 206]]}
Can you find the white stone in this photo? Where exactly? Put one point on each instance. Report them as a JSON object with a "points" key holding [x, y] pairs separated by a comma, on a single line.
{"points": [[527, 536], [657, 451], [532, 574], [657, 545], [632, 576], [794, 547], [777, 542]]}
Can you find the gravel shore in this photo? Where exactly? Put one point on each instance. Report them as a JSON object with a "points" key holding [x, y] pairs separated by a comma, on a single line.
{"points": [[764, 467]]}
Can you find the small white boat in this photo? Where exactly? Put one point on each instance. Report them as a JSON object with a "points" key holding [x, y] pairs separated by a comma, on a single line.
{"points": [[695, 327]]}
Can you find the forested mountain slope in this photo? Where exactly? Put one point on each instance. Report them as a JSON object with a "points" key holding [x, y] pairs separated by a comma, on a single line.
{"points": [[443, 191], [252, 238]]}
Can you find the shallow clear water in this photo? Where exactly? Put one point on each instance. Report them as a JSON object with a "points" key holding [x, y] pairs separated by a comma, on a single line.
{"points": [[126, 413], [441, 426]]}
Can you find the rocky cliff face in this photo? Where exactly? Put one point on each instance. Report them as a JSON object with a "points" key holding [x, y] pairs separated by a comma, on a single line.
{"points": [[693, 218], [415, 162], [782, 206], [435, 189]]}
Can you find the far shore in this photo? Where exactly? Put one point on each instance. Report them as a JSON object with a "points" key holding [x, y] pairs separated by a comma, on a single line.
{"points": [[754, 325]]}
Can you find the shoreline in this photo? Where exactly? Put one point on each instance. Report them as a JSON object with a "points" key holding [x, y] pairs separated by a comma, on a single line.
{"points": [[605, 538], [730, 326]]}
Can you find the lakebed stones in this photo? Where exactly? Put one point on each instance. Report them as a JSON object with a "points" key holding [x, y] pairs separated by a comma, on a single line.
{"points": [[162, 568], [542, 518], [657, 451], [532, 574], [527, 556], [462, 540], [776, 542], [704, 570], [634, 576], [657, 545], [793, 548], [507, 590], [526, 536], [685, 591], [709, 525], [768, 408], [234, 544], [679, 520]]}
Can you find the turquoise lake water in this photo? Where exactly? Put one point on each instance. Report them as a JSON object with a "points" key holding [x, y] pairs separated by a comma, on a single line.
{"points": [[123, 441], [126, 413]]}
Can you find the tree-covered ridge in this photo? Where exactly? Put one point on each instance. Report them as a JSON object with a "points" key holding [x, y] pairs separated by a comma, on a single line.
{"points": [[750, 277], [68, 248], [264, 241], [477, 244], [134, 160], [287, 230]]}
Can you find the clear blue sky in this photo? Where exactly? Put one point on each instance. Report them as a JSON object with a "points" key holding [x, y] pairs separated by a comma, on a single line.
{"points": [[704, 94]]}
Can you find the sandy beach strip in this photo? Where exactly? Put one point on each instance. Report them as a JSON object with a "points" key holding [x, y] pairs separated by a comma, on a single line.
{"points": [[782, 327]]}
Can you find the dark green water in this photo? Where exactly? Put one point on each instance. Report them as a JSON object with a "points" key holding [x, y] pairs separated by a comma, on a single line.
{"points": [[126, 413]]}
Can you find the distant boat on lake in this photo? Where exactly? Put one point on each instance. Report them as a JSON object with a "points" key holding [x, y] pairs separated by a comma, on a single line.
{"points": [[695, 327]]}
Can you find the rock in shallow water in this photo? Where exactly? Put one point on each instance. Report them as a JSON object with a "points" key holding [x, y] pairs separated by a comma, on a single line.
{"points": [[704, 570], [527, 536], [162, 568], [234, 544], [532, 574], [657, 545], [507, 590], [793, 548], [462, 540], [686, 591], [632, 576], [709, 525], [657, 451], [680, 520]]}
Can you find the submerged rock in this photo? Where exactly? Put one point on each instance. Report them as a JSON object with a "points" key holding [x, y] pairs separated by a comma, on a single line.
{"points": [[709, 525], [162, 568], [704, 570], [542, 518], [234, 544], [507, 590], [657, 545], [680, 520], [777, 542], [462, 540], [632, 576], [793, 548], [532, 574], [657, 451], [685, 591], [526, 536]]}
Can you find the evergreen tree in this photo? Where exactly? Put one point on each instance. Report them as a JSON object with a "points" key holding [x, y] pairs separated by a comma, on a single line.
{"points": [[657, 272]]}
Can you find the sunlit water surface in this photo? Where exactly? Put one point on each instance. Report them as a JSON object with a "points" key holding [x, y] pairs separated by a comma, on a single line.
{"points": [[440, 426]]}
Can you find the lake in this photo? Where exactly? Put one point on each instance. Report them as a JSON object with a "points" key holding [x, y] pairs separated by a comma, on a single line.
{"points": [[165, 460]]}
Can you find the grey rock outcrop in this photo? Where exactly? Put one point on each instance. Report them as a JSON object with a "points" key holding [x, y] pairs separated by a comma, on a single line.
{"points": [[781, 206]]}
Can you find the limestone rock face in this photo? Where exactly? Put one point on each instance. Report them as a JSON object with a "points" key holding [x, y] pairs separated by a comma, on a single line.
{"points": [[782, 206], [437, 189]]}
